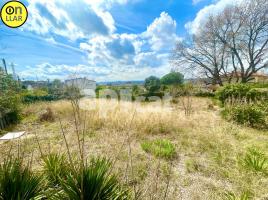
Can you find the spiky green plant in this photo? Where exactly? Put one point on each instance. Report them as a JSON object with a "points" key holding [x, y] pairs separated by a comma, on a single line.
{"points": [[18, 182], [256, 160], [55, 168], [91, 181]]}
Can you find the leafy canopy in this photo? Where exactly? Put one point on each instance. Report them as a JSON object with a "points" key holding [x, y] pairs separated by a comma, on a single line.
{"points": [[173, 78], [152, 84]]}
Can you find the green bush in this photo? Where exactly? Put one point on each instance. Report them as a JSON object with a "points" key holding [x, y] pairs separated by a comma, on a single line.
{"points": [[39, 95], [159, 148], [241, 92], [234, 91], [248, 114], [204, 94]]}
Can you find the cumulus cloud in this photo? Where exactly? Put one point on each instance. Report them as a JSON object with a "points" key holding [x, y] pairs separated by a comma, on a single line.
{"points": [[68, 18], [204, 13], [125, 52], [162, 33], [110, 55]]}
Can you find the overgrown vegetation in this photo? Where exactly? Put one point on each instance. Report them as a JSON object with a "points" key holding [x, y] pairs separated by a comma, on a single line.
{"points": [[245, 104], [242, 93]]}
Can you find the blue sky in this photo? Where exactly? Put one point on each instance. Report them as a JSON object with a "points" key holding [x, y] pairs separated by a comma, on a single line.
{"points": [[105, 40]]}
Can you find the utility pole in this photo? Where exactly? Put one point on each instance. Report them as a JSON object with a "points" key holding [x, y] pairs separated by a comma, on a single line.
{"points": [[5, 66]]}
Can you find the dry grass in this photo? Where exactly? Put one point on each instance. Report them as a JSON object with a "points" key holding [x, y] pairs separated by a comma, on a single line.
{"points": [[208, 149]]}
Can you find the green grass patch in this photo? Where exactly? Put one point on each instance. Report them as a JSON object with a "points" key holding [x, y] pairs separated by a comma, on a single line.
{"points": [[159, 148], [255, 160], [246, 195]]}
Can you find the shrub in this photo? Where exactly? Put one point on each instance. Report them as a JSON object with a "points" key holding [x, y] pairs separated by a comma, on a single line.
{"points": [[159, 148], [238, 92], [204, 94], [255, 160], [39, 95], [18, 181], [47, 116], [248, 114]]}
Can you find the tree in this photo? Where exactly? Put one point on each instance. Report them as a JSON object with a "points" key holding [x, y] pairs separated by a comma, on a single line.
{"points": [[173, 78], [244, 30], [204, 53], [231, 44], [152, 84]]}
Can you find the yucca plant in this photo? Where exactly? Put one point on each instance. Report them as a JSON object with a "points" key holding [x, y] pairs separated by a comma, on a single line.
{"points": [[256, 160], [89, 181], [55, 168], [18, 182]]}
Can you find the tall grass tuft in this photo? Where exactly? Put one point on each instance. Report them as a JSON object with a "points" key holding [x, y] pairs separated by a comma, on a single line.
{"points": [[19, 182]]}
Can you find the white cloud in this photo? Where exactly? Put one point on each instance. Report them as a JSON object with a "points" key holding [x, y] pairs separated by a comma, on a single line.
{"points": [[68, 18], [203, 14], [162, 33], [110, 56], [131, 54]]}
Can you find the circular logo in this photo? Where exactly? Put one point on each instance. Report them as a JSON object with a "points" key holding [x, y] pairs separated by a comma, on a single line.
{"points": [[14, 14]]}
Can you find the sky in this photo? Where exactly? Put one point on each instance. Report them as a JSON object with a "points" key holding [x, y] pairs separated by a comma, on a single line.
{"points": [[103, 40]]}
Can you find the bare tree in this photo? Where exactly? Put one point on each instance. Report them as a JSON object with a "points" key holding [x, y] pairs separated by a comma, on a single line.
{"points": [[203, 51], [244, 29], [231, 44]]}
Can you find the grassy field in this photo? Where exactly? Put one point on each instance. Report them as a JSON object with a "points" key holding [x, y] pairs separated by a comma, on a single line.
{"points": [[157, 151]]}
